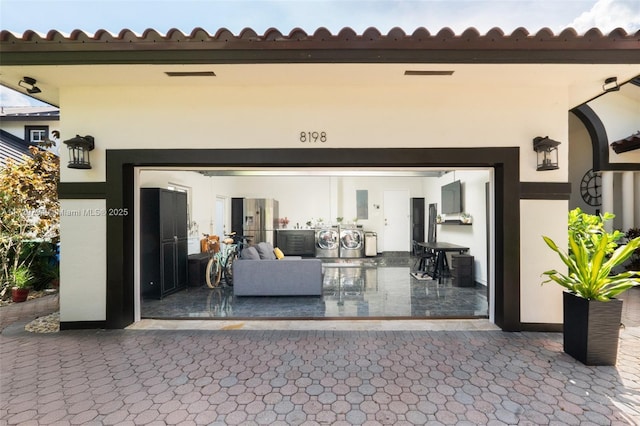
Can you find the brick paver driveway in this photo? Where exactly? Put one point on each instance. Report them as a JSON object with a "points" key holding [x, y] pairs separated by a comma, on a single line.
{"points": [[312, 377]]}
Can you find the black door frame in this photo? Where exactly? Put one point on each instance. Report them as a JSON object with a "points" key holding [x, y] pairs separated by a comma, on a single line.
{"points": [[119, 193]]}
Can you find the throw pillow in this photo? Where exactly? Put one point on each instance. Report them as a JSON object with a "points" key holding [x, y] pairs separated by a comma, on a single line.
{"points": [[250, 253], [279, 254], [266, 251]]}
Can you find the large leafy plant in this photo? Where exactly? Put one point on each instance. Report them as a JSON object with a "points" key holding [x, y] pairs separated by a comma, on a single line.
{"points": [[592, 255], [634, 263]]}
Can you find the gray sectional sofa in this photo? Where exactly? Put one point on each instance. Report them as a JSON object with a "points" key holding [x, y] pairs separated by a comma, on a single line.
{"points": [[262, 274]]}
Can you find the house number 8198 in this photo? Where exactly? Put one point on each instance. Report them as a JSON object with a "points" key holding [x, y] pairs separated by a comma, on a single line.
{"points": [[313, 137]]}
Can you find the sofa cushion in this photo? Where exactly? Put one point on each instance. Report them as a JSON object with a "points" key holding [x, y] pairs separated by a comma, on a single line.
{"points": [[250, 253], [286, 277], [279, 254], [266, 251]]}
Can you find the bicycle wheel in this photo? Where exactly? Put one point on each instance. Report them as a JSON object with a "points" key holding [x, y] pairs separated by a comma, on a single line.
{"points": [[228, 267], [213, 272]]}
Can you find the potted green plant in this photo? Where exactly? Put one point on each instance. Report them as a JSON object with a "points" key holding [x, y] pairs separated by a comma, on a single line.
{"points": [[21, 280], [592, 314]]}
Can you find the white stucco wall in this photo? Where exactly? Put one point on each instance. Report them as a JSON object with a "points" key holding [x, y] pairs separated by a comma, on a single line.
{"points": [[273, 117], [541, 304], [83, 251]]}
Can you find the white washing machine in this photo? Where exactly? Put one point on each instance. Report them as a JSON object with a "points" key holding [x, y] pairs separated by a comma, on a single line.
{"points": [[351, 242], [327, 242]]}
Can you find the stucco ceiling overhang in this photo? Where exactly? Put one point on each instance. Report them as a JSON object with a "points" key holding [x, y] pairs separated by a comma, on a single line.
{"points": [[578, 63]]}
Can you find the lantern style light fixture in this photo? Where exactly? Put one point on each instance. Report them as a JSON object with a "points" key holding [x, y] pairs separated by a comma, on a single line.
{"points": [[547, 150], [79, 148]]}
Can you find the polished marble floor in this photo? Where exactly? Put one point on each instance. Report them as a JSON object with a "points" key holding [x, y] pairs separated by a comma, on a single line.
{"points": [[380, 287]]}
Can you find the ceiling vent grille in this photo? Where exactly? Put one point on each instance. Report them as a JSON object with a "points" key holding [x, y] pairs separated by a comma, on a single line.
{"points": [[419, 72], [190, 73]]}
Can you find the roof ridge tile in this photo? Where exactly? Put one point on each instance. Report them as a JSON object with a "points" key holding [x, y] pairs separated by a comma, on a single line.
{"points": [[295, 34]]}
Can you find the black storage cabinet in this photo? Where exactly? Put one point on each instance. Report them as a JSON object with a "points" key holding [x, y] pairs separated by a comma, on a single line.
{"points": [[198, 269], [462, 270], [163, 242]]}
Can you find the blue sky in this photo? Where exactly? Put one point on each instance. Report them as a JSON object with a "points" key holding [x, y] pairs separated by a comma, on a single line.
{"points": [[41, 16]]}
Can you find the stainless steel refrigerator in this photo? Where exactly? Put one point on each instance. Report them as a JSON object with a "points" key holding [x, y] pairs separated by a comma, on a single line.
{"points": [[260, 219]]}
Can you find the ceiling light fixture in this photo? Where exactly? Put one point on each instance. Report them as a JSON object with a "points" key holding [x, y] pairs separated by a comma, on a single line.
{"points": [[29, 84], [611, 85]]}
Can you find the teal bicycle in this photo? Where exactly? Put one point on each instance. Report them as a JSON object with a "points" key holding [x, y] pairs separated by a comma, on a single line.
{"points": [[214, 270], [231, 252], [222, 256]]}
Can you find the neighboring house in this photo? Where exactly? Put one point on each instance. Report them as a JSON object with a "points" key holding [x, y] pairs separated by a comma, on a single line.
{"points": [[161, 106], [12, 147], [21, 127]]}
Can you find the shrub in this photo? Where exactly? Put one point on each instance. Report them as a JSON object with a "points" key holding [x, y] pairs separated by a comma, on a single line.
{"points": [[634, 263], [29, 209]]}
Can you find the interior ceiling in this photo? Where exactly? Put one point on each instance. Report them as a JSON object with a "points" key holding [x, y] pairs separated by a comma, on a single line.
{"points": [[315, 171], [583, 81]]}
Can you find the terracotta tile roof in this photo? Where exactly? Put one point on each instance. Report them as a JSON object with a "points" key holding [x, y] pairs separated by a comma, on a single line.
{"points": [[370, 35], [346, 45]]}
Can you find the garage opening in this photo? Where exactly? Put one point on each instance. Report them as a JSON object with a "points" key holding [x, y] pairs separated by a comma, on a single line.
{"points": [[391, 243], [122, 186]]}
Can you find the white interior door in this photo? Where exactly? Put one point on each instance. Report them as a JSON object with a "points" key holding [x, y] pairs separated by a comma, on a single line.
{"points": [[220, 217], [396, 221]]}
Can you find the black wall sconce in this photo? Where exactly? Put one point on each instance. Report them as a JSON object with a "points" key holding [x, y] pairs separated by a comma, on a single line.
{"points": [[79, 148], [547, 153], [29, 84]]}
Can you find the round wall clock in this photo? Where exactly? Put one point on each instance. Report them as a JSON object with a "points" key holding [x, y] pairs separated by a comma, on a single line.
{"points": [[590, 188]]}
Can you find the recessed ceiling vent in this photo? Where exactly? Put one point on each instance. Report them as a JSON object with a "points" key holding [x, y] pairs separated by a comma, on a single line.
{"points": [[426, 72], [190, 73]]}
